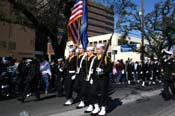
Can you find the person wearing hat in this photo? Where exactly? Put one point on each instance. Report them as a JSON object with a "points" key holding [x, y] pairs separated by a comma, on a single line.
{"points": [[86, 76], [101, 69], [58, 76], [168, 70], [32, 81], [70, 70], [80, 56]]}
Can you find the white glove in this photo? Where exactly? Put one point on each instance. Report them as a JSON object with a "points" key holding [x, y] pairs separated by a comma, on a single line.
{"points": [[123, 71], [91, 81], [147, 71], [73, 77], [98, 69], [91, 72], [77, 51], [78, 70], [173, 74], [60, 70], [141, 72], [132, 72]]}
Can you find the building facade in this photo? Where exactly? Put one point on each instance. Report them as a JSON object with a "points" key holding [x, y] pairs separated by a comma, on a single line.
{"points": [[100, 19], [15, 40], [19, 41], [115, 51]]}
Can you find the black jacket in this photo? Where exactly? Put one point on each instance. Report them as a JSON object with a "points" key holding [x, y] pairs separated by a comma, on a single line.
{"points": [[106, 66]]}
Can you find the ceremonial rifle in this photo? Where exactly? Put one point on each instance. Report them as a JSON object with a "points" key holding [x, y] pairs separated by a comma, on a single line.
{"points": [[106, 49]]}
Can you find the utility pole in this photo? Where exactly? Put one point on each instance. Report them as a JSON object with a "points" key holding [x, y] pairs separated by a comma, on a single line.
{"points": [[142, 31]]}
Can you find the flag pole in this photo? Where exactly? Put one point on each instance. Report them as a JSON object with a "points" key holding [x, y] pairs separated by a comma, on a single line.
{"points": [[106, 49]]}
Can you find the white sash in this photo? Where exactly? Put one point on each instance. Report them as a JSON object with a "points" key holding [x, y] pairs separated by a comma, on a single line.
{"points": [[90, 69], [84, 56]]}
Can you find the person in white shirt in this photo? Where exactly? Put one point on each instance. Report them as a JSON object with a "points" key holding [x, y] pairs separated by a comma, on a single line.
{"points": [[46, 73]]}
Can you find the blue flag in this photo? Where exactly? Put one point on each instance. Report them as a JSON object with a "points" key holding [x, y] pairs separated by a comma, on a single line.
{"points": [[84, 25]]}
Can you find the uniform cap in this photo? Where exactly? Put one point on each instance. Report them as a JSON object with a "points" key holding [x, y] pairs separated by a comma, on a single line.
{"points": [[60, 59], [28, 60], [71, 50], [90, 48], [80, 46], [100, 45], [168, 52]]}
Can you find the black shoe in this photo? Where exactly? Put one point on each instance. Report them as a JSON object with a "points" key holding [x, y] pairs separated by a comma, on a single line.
{"points": [[59, 95], [79, 107], [23, 100], [87, 111], [173, 98], [94, 114], [37, 96]]}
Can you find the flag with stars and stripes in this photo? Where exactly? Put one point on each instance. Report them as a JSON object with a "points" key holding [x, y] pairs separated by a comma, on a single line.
{"points": [[77, 25]]}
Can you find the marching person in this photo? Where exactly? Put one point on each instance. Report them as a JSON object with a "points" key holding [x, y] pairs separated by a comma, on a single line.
{"points": [[130, 71], [31, 83], [136, 71], [168, 79], [86, 77], [156, 71], [70, 69], [80, 56], [100, 82], [58, 76]]}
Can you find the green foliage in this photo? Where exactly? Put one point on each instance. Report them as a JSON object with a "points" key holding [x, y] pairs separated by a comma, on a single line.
{"points": [[159, 29]]}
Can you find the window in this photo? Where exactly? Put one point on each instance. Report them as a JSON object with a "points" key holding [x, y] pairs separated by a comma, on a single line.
{"points": [[3, 44], [90, 43], [12, 45], [104, 41], [95, 43]]}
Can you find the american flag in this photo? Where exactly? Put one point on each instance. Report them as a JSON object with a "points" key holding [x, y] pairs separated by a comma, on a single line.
{"points": [[76, 21]]}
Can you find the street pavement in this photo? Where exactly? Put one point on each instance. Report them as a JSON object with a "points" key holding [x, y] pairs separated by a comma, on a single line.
{"points": [[150, 106], [123, 99]]}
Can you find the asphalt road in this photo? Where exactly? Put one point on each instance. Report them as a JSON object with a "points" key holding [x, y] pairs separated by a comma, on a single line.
{"points": [[51, 105], [154, 106]]}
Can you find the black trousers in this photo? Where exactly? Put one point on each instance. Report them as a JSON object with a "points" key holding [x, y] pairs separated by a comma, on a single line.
{"points": [[99, 87], [59, 84], [147, 76], [84, 91], [130, 76], [169, 84], [69, 86], [31, 86], [157, 75], [78, 83]]}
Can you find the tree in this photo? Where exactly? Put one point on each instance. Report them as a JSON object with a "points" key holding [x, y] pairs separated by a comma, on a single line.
{"points": [[48, 18], [159, 29]]}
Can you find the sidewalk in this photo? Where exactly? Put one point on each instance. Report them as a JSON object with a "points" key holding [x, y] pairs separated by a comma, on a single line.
{"points": [[120, 96]]}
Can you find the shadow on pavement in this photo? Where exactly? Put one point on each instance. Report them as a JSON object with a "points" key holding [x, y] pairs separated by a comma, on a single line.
{"points": [[46, 97], [4, 98], [112, 104], [34, 99]]}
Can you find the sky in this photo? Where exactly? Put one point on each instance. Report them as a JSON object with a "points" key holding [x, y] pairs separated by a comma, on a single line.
{"points": [[148, 6]]}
